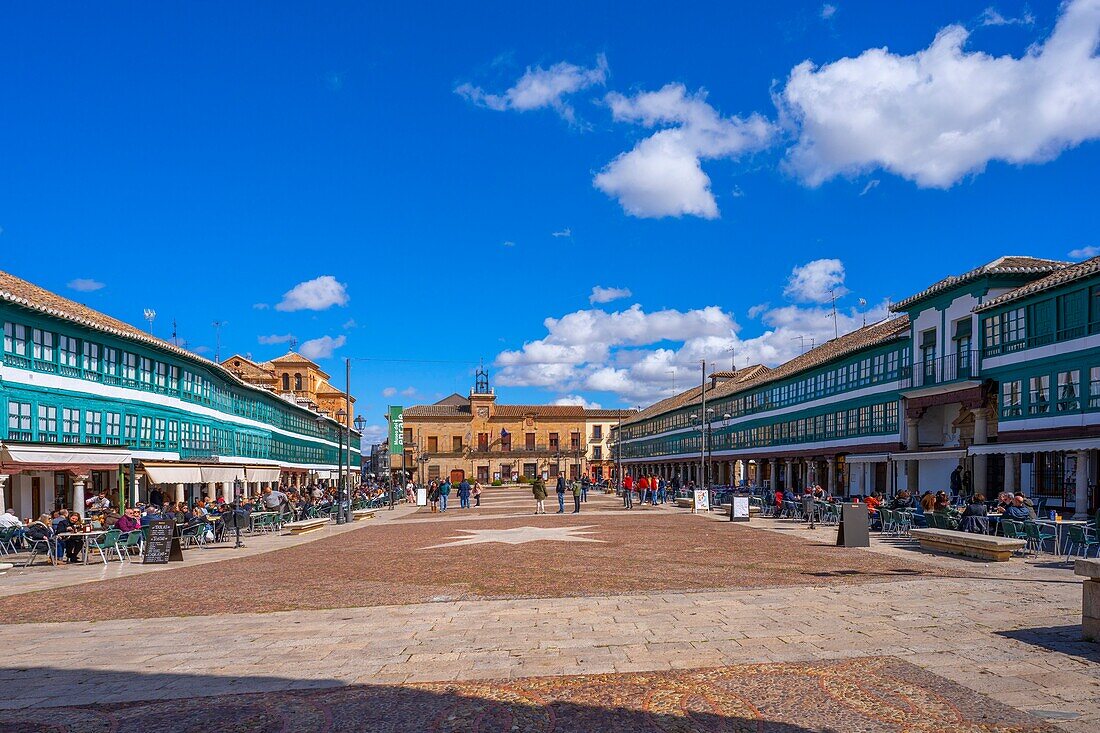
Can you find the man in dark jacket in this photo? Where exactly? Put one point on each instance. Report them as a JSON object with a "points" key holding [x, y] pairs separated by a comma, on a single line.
{"points": [[561, 494], [464, 494]]}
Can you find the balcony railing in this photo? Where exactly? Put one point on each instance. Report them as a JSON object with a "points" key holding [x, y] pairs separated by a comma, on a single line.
{"points": [[942, 370]]}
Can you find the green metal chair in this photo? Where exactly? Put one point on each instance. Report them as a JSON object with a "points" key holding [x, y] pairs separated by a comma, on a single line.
{"points": [[1036, 537], [1079, 541], [131, 540], [106, 544], [7, 540]]}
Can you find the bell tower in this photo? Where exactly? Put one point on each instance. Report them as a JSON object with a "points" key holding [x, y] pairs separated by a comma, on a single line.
{"points": [[481, 396]]}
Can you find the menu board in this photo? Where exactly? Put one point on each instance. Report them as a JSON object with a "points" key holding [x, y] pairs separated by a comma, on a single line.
{"points": [[739, 509], [702, 500], [162, 545]]}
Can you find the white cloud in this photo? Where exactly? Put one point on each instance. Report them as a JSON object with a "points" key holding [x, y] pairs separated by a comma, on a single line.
{"points": [[389, 391], [314, 295], [1084, 253], [576, 399], [85, 284], [567, 233], [276, 338], [871, 185], [606, 295], [642, 356], [758, 309], [260, 306], [663, 175], [509, 243], [321, 348], [408, 392], [812, 282], [373, 434], [991, 16], [540, 88], [828, 10], [350, 324], [943, 112]]}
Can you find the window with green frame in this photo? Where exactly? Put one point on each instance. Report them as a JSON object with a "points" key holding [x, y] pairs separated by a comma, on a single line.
{"points": [[1073, 314], [1011, 398], [1040, 319]]}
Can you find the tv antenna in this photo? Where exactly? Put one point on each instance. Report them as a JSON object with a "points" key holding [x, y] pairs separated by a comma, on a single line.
{"points": [[802, 342], [218, 339], [836, 324], [150, 315], [863, 304]]}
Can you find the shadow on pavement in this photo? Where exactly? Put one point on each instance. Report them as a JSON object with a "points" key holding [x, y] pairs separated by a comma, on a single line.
{"points": [[1064, 639], [821, 697]]}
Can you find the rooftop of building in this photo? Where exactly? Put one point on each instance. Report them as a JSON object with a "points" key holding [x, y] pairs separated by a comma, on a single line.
{"points": [[27, 295], [1056, 279], [1007, 265], [456, 405], [758, 375]]}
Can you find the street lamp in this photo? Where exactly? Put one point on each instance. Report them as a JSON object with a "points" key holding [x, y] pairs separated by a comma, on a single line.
{"points": [[360, 423], [341, 486]]}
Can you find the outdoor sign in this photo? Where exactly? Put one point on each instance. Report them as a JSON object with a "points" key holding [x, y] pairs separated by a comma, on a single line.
{"points": [[422, 496], [702, 500], [162, 545], [397, 430], [853, 530], [739, 509]]}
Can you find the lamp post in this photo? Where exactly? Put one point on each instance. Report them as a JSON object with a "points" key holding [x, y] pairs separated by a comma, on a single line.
{"points": [[360, 423], [341, 484]]}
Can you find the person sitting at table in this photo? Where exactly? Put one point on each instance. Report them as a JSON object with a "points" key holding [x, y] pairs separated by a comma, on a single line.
{"points": [[974, 517], [151, 514], [39, 530], [73, 545], [903, 500], [941, 503], [1018, 510], [928, 502], [128, 522]]}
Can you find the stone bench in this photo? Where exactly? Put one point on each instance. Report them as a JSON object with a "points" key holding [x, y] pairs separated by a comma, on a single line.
{"points": [[1090, 598], [981, 546], [305, 525], [362, 514], [686, 503]]}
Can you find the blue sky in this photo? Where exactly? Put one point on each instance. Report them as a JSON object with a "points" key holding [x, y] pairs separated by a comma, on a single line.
{"points": [[204, 159]]}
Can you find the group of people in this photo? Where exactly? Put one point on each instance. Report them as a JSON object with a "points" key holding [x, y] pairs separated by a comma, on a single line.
{"points": [[63, 528], [651, 489], [578, 488], [439, 493]]}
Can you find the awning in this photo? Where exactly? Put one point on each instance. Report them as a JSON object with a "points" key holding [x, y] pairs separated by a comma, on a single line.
{"points": [[866, 458], [61, 458], [261, 473], [930, 455], [222, 474], [173, 473], [1039, 446]]}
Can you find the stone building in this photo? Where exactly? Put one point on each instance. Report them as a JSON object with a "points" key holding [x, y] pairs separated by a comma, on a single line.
{"points": [[477, 438], [294, 377]]}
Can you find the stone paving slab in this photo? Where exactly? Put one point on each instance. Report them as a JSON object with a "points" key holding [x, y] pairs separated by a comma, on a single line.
{"points": [[874, 695]]}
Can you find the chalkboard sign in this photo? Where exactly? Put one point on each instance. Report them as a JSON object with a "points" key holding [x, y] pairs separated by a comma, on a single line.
{"points": [[162, 545]]}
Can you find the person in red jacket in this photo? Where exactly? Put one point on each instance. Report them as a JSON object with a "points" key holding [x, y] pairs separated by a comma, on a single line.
{"points": [[628, 487], [643, 488]]}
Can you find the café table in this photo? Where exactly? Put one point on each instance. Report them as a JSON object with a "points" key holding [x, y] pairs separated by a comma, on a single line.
{"points": [[1058, 524], [88, 535]]}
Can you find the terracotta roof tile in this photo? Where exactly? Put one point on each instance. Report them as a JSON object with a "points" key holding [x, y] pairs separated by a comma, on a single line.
{"points": [[1008, 265], [1056, 279]]}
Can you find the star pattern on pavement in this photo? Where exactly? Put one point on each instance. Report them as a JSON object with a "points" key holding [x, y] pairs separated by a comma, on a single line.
{"points": [[520, 536]]}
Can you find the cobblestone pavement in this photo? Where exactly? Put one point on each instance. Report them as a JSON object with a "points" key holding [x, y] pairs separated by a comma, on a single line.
{"points": [[400, 562], [1006, 631], [869, 694]]}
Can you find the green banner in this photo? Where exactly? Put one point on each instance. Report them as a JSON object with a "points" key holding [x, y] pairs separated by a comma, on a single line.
{"points": [[397, 430]]}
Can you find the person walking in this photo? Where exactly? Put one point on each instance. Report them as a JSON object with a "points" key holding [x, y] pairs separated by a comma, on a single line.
{"points": [[433, 496], [662, 488], [444, 492], [576, 497], [477, 493], [464, 494], [584, 487], [538, 490], [628, 486], [561, 494]]}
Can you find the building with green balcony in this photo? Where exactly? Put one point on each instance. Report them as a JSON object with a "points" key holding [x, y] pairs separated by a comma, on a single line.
{"points": [[985, 381], [94, 404]]}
